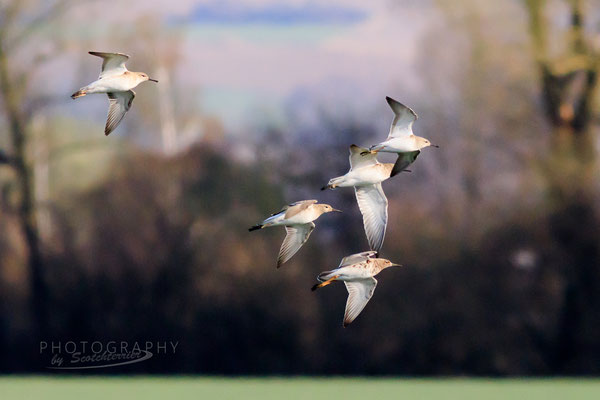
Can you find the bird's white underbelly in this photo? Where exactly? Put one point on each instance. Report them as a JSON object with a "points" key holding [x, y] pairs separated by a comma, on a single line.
{"points": [[106, 85], [399, 145], [363, 177], [354, 273], [301, 218]]}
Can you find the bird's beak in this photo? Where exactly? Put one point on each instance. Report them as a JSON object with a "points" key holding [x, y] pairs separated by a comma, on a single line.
{"points": [[395, 265], [153, 80], [435, 145], [336, 210]]}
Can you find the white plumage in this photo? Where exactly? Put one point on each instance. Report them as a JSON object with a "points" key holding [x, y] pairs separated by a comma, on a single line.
{"points": [[116, 81], [357, 271], [297, 218]]}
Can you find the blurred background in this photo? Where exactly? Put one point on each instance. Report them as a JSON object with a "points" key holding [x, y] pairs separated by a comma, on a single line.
{"points": [[142, 235]]}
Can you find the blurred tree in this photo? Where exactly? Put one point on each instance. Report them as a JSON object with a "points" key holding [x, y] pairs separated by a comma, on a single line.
{"points": [[569, 81], [20, 21], [4, 158]]}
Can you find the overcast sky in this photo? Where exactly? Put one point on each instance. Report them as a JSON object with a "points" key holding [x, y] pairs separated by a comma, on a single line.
{"points": [[254, 59]]}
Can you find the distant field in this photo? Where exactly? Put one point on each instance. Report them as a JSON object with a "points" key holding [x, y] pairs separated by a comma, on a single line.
{"points": [[174, 388]]}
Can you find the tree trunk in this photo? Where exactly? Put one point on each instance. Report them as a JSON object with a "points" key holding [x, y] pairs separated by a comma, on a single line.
{"points": [[567, 89], [26, 206]]}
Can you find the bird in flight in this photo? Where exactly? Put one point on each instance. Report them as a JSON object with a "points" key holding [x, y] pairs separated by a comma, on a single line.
{"points": [[116, 81], [401, 138], [366, 175], [357, 272], [297, 218]]}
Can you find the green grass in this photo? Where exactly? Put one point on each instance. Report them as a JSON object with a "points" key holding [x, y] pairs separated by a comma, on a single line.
{"points": [[172, 388]]}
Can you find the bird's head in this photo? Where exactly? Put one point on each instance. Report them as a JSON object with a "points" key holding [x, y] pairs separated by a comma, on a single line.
{"points": [[326, 208], [422, 143], [388, 263], [144, 77]]}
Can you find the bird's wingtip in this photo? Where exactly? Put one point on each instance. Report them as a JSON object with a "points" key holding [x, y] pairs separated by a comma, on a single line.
{"points": [[391, 102]]}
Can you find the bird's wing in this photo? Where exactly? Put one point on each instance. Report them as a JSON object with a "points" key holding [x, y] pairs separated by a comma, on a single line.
{"points": [[119, 104], [286, 207], [112, 63], [403, 121], [297, 207], [373, 206], [356, 258], [403, 161], [358, 160], [296, 236], [359, 294]]}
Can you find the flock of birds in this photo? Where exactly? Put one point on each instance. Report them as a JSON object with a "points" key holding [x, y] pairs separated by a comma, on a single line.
{"points": [[366, 174]]}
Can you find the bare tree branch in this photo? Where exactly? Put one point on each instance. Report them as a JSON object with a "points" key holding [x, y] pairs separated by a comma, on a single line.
{"points": [[47, 15], [4, 158]]}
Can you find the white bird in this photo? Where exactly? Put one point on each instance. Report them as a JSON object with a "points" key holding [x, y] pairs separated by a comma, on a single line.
{"points": [[366, 175], [297, 218], [401, 138], [357, 272], [116, 81]]}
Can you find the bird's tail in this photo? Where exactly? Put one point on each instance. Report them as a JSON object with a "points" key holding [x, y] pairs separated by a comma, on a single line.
{"points": [[80, 93], [254, 228], [333, 182], [325, 278]]}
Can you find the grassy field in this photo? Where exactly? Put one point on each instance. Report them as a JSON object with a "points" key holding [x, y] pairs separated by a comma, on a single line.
{"points": [[91, 388]]}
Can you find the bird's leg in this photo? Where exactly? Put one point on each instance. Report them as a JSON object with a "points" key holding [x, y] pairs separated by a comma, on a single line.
{"points": [[79, 93], [327, 282], [369, 152]]}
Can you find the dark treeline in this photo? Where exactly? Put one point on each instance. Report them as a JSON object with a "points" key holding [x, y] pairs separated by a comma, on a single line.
{"points": [[157, 253]]}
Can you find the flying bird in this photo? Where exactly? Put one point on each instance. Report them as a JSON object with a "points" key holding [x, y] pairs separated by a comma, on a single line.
{"points": [[401, 138], [297, 218], [116, 81], [357, 272], [366, 175]]}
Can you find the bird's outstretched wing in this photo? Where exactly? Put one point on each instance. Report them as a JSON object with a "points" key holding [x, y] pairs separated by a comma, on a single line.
{"points": [[296, 236], [359, 294], [358, 160], [403, 161], [403, 121], [119, 104], [373, 206], [112, 63], [356, 258]]}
